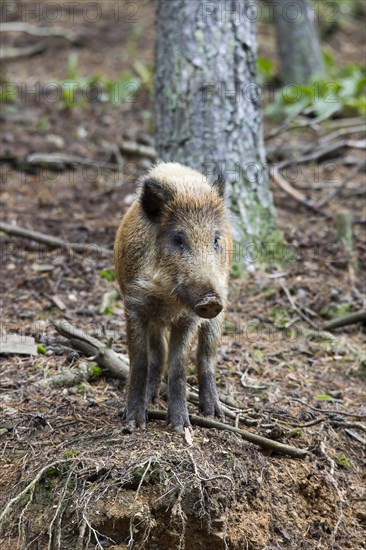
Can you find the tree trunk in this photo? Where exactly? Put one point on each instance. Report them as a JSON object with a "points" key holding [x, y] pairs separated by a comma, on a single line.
{"points": [[297, 39], [207, 103]]}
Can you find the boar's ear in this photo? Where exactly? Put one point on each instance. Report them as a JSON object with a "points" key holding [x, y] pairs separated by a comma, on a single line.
{"points": [[219, 184], [153, 198]]}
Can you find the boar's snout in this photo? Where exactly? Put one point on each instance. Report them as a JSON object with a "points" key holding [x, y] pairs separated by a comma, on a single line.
{"points": [[208, 307]]}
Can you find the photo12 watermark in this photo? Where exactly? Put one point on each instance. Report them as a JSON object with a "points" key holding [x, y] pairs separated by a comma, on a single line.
{"points": [[51, 13]]}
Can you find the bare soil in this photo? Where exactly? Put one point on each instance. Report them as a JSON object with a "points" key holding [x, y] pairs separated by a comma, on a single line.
{"points": [[94, 486]]}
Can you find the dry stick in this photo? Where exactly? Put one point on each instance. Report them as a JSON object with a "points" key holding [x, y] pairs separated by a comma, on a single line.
{"points": [[328, 411], [54, 242], [345, 122], [315, 155], [343, 132], [352, 318], [263, 442], [342, 185], [117, 365], [294, 193], [295, 306]]}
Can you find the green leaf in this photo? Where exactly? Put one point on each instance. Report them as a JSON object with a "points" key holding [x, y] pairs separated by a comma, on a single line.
{"points": [[41, 349], [323, 396]]}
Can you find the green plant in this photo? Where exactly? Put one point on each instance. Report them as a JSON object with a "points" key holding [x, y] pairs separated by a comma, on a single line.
{"points": [[108, 274], [343, 92], [95, 369], [334, 312], [146, 74], [70, 454], [342, 461], [148, 472], [8, 92], [265, 70]]}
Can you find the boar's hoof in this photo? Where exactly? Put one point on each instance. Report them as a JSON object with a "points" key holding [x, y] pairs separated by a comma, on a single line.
{"points": [[211, 408], [179, 421], [208, 308], [134, 419]]}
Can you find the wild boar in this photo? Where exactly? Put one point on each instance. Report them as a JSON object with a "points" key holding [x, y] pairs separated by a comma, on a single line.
{"points": [[172, 259]]}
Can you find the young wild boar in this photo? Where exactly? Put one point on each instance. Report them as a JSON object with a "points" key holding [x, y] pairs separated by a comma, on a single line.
{"points": [[172, 258]]}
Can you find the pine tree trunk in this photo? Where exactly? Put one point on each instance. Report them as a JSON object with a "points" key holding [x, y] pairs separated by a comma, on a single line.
{"points": [[207, 102], [297, 40]]}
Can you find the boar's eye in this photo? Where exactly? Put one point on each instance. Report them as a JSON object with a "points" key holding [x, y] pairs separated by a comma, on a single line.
{"points": [[217, 242], [178, 241]]}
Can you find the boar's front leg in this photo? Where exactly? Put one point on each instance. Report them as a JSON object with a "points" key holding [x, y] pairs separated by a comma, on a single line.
{"points": [[137, 351], [208, 339], [179, 345], [157, 359]]}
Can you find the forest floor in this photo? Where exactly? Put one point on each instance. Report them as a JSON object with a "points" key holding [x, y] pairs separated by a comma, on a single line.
{"points": [[69, 478]]}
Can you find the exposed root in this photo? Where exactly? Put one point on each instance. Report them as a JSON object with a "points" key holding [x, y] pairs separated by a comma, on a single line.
{"points": [[29, 487]]}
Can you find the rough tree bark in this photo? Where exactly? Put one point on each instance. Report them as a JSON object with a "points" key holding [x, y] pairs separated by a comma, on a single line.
{"points": [[297, 40], [208, 103]]}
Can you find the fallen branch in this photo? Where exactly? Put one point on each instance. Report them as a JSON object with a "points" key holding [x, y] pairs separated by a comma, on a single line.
{"points": [[7, 54], [33, 30], [263, 442], [115, 364], [63, 159], [54, 242], [132, 148], [352, 318]]}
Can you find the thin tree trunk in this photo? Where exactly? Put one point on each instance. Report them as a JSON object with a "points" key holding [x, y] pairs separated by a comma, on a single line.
{"points": [[297, 39], [208, 103]]}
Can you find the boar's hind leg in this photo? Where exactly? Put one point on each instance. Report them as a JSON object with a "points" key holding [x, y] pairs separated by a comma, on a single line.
{"points": [[137, 350], [208, 338], [157, 360], [179, 345]]}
